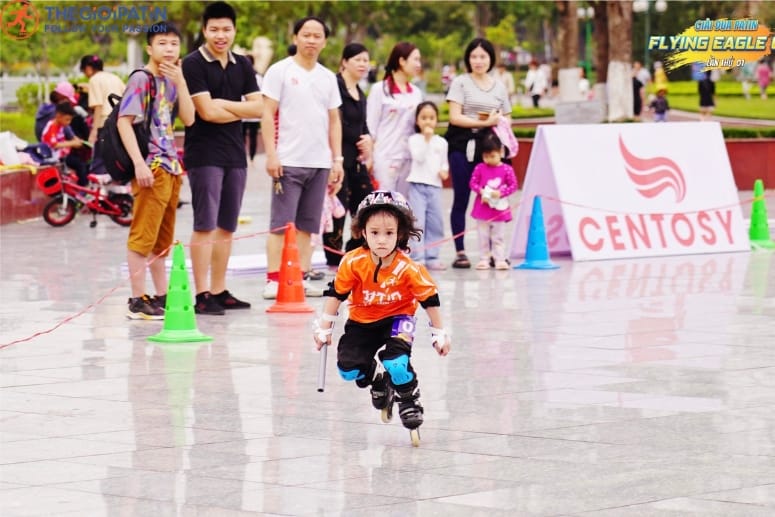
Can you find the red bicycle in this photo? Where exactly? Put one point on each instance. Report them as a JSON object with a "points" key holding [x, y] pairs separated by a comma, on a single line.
{"points": [[99, 197]]}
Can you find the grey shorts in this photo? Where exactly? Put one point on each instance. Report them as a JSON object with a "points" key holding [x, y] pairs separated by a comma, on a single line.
{"points": [[301, 201], [216, 195]]}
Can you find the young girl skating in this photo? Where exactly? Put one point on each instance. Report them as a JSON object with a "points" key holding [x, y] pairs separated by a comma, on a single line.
{"points": [[384, 287], [429, 168], [492, 181]]}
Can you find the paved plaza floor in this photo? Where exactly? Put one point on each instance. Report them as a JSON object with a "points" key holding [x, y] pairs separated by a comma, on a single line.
{"points": [[613, 388]]}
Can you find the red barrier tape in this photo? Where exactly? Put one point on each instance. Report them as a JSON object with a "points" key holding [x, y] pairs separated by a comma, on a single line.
{"points": [[275, 230]]}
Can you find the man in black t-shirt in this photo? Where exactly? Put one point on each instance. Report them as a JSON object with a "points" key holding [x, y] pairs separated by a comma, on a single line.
{"points": [[214, 153]]}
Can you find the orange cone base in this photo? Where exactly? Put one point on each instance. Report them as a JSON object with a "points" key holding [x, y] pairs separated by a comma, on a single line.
{"points": [[179, 336], [290, 307]]}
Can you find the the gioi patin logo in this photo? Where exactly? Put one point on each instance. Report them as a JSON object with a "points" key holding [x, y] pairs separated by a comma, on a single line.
{"points": [[20, 19], [652, 176]]}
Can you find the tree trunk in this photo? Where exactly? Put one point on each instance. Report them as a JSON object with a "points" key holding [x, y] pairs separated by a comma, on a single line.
{"points": [[482, 16], [568, 33], [568, 47], [601, 40], [620, 94]]}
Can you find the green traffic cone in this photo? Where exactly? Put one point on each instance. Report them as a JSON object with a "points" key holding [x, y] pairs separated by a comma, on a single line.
{"points": [[759, 232], [179, 318]]}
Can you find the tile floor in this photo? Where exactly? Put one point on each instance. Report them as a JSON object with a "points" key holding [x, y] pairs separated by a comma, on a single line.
{"points": [[618, 388]]}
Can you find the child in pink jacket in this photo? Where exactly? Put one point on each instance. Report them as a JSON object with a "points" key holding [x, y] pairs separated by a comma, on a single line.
{"points": [[492, 181]]}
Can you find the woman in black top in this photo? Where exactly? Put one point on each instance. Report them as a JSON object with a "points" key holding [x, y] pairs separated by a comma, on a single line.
{"points": [[356, 146]]}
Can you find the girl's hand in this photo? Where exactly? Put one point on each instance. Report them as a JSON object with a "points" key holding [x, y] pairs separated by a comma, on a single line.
{"points": [[492, 120], [443, 350], [444, 174], [427, 132]]}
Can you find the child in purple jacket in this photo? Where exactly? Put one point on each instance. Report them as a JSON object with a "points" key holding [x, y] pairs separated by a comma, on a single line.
{"points": [[492, 181]]}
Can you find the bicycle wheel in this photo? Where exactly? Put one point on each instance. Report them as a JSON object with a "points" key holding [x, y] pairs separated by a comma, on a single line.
{"points": [[59, 212], [124, 202]]}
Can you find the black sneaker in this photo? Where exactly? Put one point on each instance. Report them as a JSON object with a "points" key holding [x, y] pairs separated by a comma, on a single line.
{"points": [[206, 304], [160, 300], [228, 301], [143, 308]]}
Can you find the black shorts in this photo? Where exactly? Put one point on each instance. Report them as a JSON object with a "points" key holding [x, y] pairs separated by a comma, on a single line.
{"points": [[361, 342]]}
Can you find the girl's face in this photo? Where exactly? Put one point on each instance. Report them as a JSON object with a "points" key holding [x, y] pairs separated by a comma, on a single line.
{"points": [[412, 65], [492, 158], [357, 66], [479, 61], [426, 118], [381, 234]]}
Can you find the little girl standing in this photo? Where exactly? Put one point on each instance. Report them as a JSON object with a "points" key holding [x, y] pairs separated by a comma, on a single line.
{"points": [[428, 169], [492, 181]]}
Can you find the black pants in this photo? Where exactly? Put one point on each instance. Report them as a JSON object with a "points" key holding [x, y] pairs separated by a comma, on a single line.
{"points": [[535, 97], [250, 131], [80, 168], [360, 343], [356, 186]]}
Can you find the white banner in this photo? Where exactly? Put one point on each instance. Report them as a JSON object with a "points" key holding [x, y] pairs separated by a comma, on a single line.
{"points": [[632, 190]]}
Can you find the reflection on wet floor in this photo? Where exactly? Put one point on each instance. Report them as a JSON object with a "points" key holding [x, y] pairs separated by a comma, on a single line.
{"points": [[631, 387]]}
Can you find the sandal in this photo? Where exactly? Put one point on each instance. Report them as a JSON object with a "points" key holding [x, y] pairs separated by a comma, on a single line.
{"points": [[314, 275], [461, 262]]}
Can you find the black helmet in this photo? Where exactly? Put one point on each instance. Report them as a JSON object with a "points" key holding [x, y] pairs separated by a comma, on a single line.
{"points": [[385, 197]]}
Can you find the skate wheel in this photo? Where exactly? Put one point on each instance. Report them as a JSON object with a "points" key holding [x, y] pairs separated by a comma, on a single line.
{"points": [[386, 414], [414, 434]]}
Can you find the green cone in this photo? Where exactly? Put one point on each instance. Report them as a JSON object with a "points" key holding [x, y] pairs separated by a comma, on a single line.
{"points": [[759, 232], [179, 318]]}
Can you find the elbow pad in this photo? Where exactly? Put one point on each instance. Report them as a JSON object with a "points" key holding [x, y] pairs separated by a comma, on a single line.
{"points": [[431, 301], [332, 293]]}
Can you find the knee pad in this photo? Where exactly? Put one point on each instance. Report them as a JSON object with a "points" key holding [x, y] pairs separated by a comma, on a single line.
{"points": [[351, 375], [398, 369]]}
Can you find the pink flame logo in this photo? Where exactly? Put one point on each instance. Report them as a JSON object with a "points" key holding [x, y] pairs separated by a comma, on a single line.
{"points": [[653, 175]]}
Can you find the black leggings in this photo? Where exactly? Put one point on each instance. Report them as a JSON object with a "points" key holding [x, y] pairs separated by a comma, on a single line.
{"points": [[250, 131]]}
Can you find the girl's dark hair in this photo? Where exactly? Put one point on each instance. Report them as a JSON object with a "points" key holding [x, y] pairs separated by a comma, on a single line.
{"points": [[93, 61], [291, 50], [420, 107], [218, 10], [400, 50], [352, 50], [161, 28], [299, 24], [486, 46], [406, 224], [490, 142]]}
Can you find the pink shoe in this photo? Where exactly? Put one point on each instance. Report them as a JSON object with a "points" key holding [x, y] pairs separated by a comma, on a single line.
{"points": [[501, 264]]}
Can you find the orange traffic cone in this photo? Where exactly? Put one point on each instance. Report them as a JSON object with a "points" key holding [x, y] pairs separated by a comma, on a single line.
{"points": [[290, 292]]}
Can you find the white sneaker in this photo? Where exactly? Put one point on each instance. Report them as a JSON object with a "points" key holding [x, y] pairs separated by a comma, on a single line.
{"points": [[312, 291], [270, 290]]}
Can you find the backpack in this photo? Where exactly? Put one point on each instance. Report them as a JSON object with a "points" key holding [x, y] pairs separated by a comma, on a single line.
{"points": [[111, 149]]}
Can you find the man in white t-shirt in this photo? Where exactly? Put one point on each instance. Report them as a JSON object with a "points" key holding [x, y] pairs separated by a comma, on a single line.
{"points": [[101, 85], [303, 146]]}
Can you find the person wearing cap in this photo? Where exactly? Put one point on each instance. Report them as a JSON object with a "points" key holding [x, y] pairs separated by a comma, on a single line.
{"points": [[64, 91], [101, 85]]}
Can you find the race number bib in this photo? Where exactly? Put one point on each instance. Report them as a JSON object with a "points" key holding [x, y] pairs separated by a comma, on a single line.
{"points": [[403, 328]]}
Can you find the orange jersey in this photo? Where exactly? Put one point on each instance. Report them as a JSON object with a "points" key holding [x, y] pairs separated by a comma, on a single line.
{"points": [[397, 290]]}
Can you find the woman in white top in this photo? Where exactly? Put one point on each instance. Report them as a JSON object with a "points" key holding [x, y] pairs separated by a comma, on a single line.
{"points": [[476, 103], [390, 110]]}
